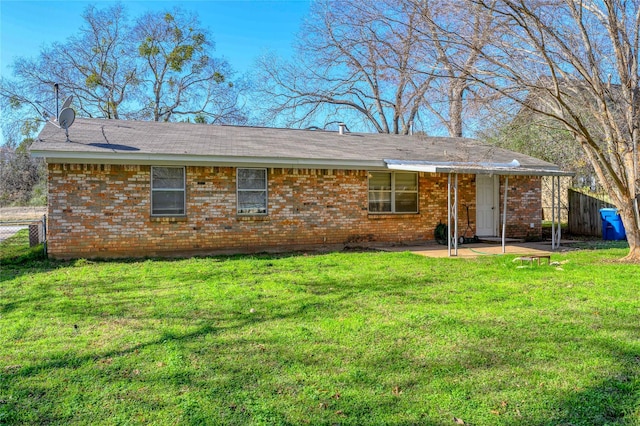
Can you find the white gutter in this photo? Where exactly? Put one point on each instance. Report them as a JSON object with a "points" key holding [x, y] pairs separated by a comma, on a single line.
{"points": [[120, 157], [512, 168], [451, 164], [88, 157]]}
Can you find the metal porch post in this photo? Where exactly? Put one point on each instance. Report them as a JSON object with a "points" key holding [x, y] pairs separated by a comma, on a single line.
{"points": [[452, 214], [449, 214], [455, 214], [559, 217], [504, 213], [553, 213]]}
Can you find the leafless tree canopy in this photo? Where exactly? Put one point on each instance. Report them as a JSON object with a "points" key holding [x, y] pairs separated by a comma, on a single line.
{"points": [[95, 65], [159, 67], [379, 65], [179, 77], [576, 62]]}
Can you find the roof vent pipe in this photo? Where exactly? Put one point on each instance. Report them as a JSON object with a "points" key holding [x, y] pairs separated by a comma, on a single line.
{"points": [[341, 127], [410, 128]]}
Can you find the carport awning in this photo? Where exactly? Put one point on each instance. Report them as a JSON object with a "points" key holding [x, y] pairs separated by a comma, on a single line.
{"points": [[454, 168], [512, 168]]}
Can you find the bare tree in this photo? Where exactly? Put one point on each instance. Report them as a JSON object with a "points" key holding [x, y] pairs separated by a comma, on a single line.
{"points": [[96, 66], [452, 96], [353, 64], [385, 65], [22, 178], [576, 62], [540, 137], [181, 77], [161, 69]]}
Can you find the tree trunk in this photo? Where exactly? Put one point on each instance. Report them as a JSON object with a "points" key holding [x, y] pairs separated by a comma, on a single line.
{"points": [[633, 256], [632, 229], [456, 99]]}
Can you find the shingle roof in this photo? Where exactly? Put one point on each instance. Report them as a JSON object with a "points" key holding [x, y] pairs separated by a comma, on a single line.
{"points": [[144, 142]]}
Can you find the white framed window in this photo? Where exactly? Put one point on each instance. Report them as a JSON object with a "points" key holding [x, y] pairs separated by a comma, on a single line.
{"points": [[393, 192], [251, 185], [168, 191]]}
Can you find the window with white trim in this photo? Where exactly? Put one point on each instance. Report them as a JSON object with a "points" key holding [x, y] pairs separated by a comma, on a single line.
{"points": [[168, 192], [252, 191], [393, 192]]}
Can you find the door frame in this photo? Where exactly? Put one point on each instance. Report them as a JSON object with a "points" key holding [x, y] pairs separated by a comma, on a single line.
{"points": [[496, 203]]}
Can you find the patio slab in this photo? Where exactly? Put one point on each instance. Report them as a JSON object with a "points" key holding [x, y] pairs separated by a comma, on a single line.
{"points": [[480, 249]]}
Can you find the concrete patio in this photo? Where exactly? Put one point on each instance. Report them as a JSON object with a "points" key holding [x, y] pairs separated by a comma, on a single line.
{"points": [[479, 249]]}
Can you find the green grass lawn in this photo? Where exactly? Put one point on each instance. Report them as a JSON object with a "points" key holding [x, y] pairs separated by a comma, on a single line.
{"points": [[341, 338], [15, 249]]}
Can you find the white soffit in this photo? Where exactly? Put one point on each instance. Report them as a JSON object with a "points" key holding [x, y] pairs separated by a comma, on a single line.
{"points": [[512, 168]]}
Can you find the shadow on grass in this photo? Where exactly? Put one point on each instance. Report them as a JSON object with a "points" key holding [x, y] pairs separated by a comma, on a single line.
{"points": [[18, 259], [599, 244], [253, 375], [71, 361], [16, 378], [614, 400], [233, 319]]}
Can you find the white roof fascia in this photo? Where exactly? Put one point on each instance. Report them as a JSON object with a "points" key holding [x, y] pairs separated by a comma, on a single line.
{"points": [[513, 168], [413, 168], [202, 160], [472, 164], [506, 172], [113, 157]]}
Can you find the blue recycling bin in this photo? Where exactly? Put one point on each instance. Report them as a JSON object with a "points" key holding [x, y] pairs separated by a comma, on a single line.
{"points": [[612, 226]]}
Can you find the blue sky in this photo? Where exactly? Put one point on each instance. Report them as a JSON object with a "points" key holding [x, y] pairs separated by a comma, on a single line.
{"points": [[240, 29]]}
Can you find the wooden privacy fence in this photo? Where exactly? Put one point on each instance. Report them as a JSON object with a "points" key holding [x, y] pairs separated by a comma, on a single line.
{"points": [[584, 214]]}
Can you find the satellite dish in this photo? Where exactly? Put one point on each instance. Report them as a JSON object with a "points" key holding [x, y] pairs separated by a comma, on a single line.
{"points": [[66, 103], [63, 119], [67, 117]]}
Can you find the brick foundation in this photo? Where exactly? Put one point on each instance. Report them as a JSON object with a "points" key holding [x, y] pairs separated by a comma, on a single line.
{"points": [[104, 211]]}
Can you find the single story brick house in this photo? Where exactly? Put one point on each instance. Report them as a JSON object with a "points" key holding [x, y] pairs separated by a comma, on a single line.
{"points": [[131, 188]]}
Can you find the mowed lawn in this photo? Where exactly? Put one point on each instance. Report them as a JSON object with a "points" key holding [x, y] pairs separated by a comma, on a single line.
{"points": [[330, 339]]}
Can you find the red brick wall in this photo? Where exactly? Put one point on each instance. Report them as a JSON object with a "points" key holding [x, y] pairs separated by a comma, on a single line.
{"points": [[104, 211], [524, 206]]}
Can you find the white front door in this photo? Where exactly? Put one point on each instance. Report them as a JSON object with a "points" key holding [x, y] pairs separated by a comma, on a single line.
{"points": [[486, 205]]}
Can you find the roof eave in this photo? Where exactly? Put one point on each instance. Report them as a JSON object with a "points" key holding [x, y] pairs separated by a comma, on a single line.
{"points": [[519, 171], [277, 162], [509, 172], [202, 160]]}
